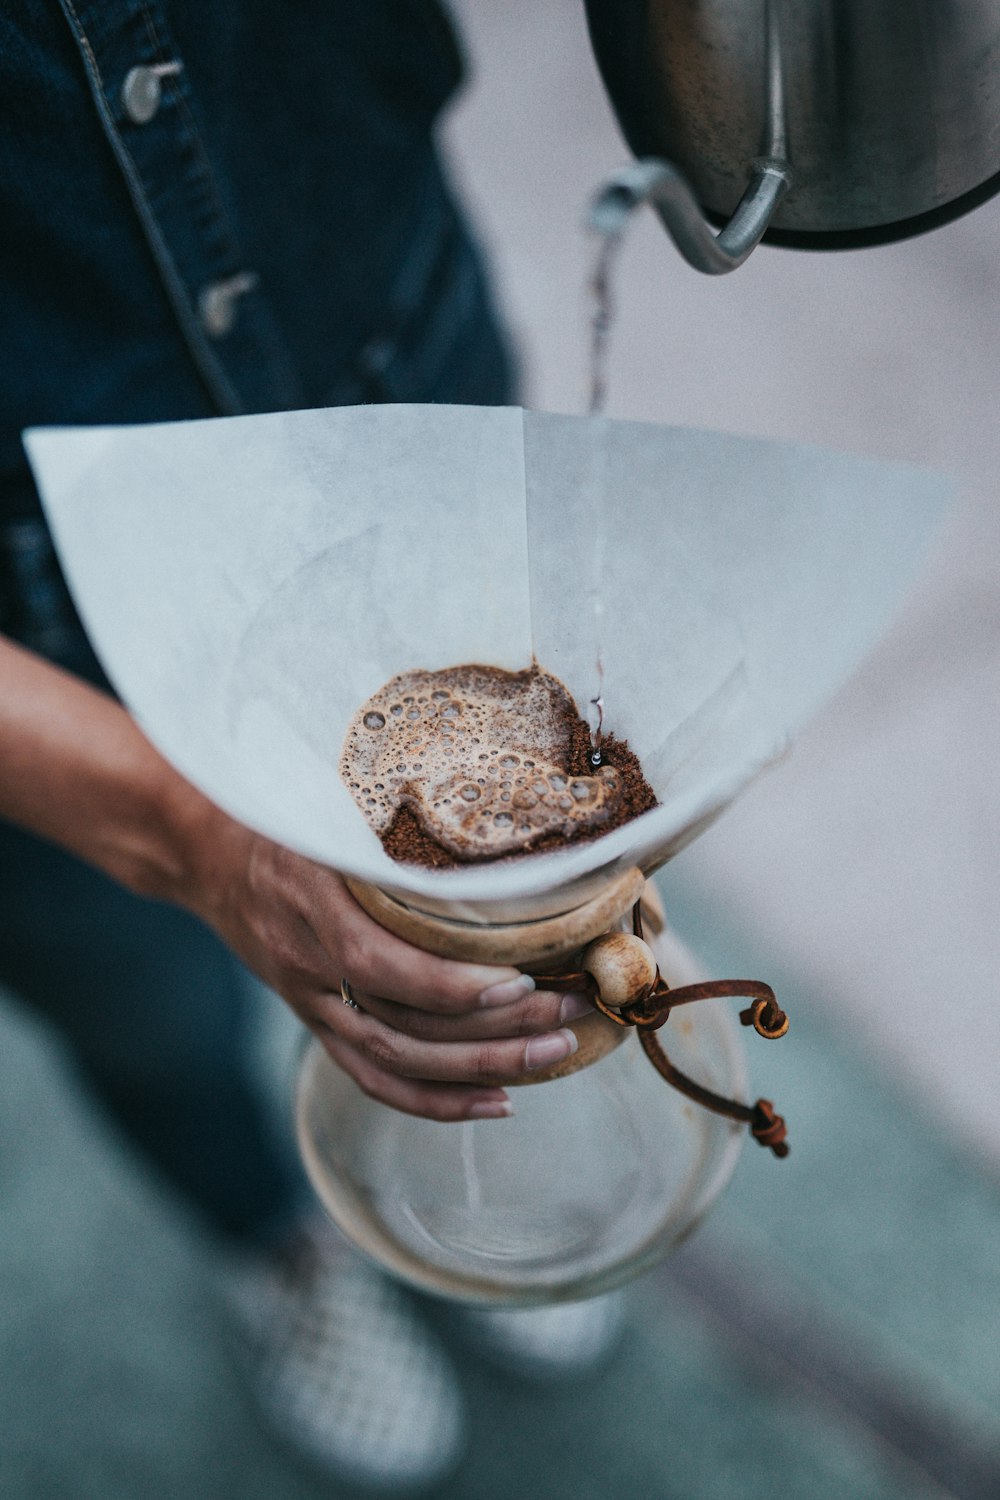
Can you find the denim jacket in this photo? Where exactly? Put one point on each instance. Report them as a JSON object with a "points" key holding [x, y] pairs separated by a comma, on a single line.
{"points": [[213, 206]]}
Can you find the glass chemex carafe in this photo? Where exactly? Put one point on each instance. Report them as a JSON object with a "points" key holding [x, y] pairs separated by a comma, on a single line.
{"points": [[601, 1169]]}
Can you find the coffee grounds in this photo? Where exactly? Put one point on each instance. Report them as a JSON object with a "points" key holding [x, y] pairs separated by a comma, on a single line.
{"points": [[472, 763], [407, 841]]}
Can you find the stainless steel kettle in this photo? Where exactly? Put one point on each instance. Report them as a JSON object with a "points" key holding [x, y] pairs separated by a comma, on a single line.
{"points": [[823, 124]]}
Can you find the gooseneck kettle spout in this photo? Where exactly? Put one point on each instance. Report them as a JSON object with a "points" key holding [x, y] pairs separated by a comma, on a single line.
{"points": [[821, 124], [663, 186]]}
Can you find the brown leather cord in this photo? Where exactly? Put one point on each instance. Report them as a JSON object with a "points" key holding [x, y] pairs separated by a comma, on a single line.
{"points": [[652, 1009]]}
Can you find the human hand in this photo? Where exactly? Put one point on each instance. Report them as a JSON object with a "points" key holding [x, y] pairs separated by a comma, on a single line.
{"points": [[431, 1036]]}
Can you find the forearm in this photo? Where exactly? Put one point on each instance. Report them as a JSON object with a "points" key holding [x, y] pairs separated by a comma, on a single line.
{"points": [[75, 768]]}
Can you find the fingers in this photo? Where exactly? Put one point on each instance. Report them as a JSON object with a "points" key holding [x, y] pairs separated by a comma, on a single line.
{"points": [[539, 1011], [479, 1061], [446, 1102], [380, 963]]}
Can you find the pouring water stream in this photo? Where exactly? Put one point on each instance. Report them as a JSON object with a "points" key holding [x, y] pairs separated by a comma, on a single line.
{"points": [[600, 330]]}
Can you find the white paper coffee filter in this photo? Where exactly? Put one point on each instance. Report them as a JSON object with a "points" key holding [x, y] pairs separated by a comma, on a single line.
{"points": [[249, 581]]}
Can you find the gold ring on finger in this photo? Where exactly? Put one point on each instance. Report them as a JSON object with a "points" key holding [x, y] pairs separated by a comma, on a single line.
{"points": [[347, 995]]}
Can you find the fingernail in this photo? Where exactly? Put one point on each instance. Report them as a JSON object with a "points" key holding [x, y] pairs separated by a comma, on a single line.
{"points": [[575, 1004], [490, 1109], [543, 1051], [507, 991]]}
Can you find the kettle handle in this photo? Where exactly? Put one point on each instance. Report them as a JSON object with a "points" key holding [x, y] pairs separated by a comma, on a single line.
{"points": [[659, 183]]}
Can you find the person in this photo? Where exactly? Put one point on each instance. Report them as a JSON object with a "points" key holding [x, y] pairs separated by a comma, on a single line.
{"points": [[215, 209]]}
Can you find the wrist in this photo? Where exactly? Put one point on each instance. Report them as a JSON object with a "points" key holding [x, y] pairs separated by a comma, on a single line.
{"points": [[76, 769], [140, 833], [200, 846]]}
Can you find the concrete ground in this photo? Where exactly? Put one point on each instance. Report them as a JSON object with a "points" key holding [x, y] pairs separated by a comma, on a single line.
{"points": [[832, 1329]]}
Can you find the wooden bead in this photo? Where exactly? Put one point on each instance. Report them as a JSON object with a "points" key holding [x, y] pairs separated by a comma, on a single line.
{"points": [[622, 966]]}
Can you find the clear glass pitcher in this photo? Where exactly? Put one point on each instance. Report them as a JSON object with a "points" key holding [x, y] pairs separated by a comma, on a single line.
{"points": [[596, 1176]]}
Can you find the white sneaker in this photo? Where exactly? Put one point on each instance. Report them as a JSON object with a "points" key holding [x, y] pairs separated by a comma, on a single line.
{"points": [[564, 1342], [345, 1368]]}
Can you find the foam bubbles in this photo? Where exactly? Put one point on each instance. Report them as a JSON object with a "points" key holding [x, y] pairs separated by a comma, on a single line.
{"points": [[480, 757]]}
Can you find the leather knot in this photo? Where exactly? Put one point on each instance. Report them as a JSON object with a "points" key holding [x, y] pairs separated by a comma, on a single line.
{"points": [[768, 1128]]}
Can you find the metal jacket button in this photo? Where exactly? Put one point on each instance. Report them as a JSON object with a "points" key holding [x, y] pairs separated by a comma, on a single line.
{"points": [[142, 90], [217, 302]]}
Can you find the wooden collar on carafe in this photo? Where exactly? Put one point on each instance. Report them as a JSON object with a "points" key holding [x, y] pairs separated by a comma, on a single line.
{"points": [[584, 949]]}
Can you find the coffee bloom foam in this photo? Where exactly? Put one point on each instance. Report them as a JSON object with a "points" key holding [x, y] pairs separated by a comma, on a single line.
{"points": [[480, 758]]}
